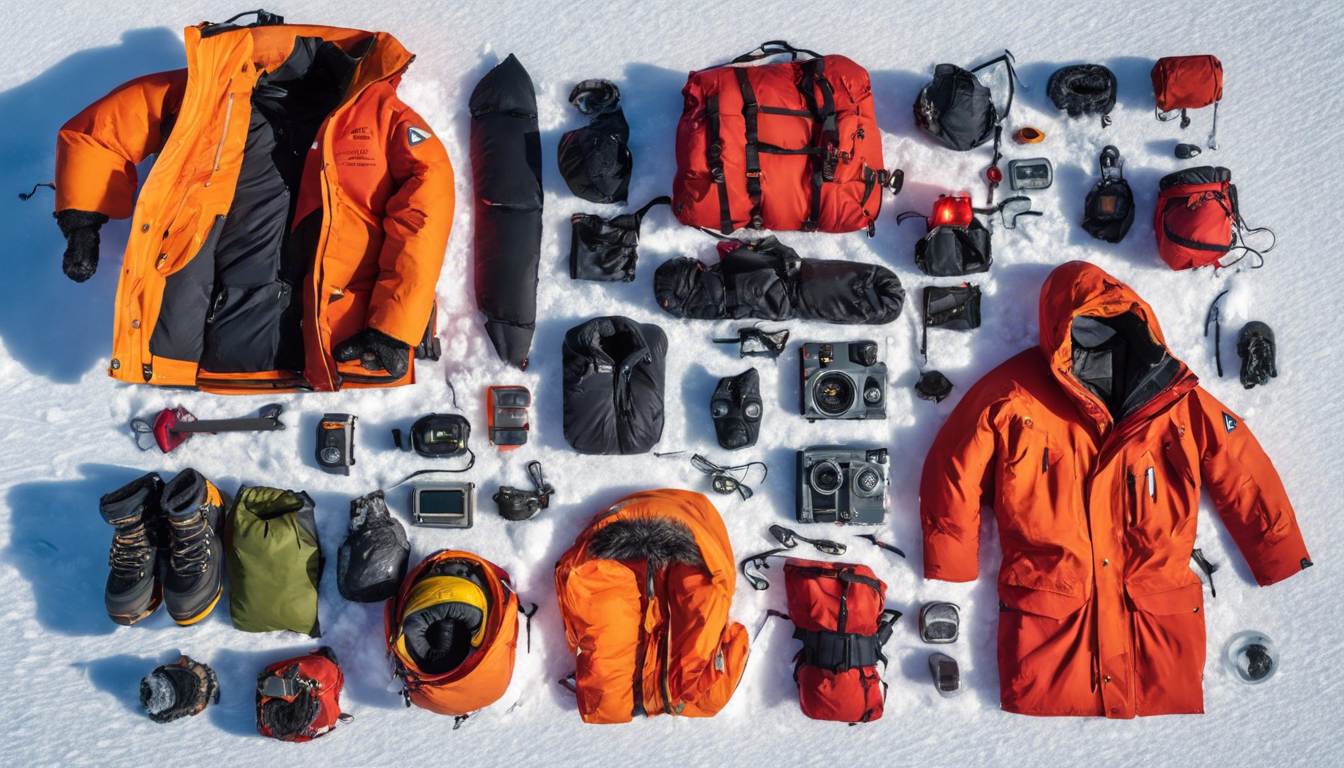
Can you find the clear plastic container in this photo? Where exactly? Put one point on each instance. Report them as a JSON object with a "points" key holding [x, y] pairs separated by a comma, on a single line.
{"points": [[1251, 657]]}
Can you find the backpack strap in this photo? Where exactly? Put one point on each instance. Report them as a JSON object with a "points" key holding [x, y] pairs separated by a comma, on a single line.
{"points": [[749, 111], [715, 162], [828, 141], [1007, 60], [773, 48]]}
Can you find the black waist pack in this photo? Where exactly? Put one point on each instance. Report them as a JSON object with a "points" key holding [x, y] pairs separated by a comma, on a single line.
{"points": [[1109, 210], [953, 251], [956, 308], [604, 249]]}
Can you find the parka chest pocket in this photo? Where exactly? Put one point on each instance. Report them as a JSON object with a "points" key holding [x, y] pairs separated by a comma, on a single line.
{"points": [[1034, 483]]}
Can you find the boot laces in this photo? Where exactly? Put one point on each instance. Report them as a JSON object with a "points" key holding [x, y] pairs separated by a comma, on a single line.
{"points": [[191, 543], [131, 550]]}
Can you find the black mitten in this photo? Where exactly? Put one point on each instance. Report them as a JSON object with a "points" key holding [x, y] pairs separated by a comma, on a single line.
{"points": [[81, 242], [1256, 347], [375, 350]]}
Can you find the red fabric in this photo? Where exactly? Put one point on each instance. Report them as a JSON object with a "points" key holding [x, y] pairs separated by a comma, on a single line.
{"points": [[1187, 82], [1102, 613], [1193, 224], [329, 680], [816, 595], [847, 204]]}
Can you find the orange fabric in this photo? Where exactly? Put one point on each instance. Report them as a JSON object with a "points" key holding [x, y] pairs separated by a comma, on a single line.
{"points": [[386, 202], [690, 654], [1187, 82], [1101, 612], [327, 680], [483, 677], [1193, 224]]}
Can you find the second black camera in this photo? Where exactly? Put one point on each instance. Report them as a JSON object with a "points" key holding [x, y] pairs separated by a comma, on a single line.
{"points": [[843, 381]]}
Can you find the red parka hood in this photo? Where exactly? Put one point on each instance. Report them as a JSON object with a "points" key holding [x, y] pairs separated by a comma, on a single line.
{"points": [[1078, 288]]}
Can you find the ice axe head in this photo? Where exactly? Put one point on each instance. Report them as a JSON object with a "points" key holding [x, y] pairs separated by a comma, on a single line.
{"points": [[162, 429]]}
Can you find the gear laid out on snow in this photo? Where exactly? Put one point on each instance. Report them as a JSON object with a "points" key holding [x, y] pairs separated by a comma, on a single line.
{"points": [[181, 689], [1108, 210], [785, 146], [1213, 317], [595, 160], [644, 595], [452, 633], [1255, 347], [1187, 151], [1251, 657], [1084, 89], [613, 386], [1028, 135], [300, 699], [1030, 173], [756, 342], [1182, 83], [604, 250], [737, 408], [518, 504], [1099, 422], [139, 548], [174, 426], [954, 308], [956, 244], [274, 561], [961, 113], [933, 385], [506, 182], [506, 416], [294, 223], [766, 280], [722, 479], [1011, 210], [946, 674], [439, 436], [336, 443], [872, 538], [371, 562], [788, 538], [1198, 220], [939, 622]]}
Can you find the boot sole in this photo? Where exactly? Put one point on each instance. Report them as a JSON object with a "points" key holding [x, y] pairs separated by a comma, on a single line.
{"points": [[206, 612], [126, 620]]}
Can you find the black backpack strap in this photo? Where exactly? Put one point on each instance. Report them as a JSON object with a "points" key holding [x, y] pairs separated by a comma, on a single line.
{"points": [[716, 163], [1007, 60], [749, 112], [661, 200], [773, 48], [828, 141]]}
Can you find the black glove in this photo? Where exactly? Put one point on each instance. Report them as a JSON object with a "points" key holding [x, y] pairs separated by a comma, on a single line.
{"points": [[375, 350], [81, 242], [1256, 347]]}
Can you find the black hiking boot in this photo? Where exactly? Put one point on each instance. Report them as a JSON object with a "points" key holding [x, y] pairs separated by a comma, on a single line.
{"points": [[195, 575], [133, 590]]}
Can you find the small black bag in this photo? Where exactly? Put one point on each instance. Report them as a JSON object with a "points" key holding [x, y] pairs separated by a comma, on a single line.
{"points": [[604, 249], [595, 159], [957, 110], [371, 562], [955, 308], [1109, 210], [952, 251], [1083, 89]]}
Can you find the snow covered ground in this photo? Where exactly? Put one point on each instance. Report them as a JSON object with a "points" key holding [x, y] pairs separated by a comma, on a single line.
{"points": [[69, 692]]}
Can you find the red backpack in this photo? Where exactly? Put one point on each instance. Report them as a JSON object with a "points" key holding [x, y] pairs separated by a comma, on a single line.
{"points": [[839, 614], [1198, 219], [300, 699], [786, 146]]}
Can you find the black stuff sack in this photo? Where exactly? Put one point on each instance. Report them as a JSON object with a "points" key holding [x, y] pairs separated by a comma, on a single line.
{"points": [[954, 308], [604, 250], [1109, 209], [959, 111], [595, 160], [371, 563]]}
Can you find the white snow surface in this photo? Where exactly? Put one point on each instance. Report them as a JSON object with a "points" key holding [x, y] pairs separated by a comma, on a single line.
{"points": [[71, 680]]}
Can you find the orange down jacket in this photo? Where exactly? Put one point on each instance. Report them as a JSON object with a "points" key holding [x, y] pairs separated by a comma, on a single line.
{"points": [[1092, 450], [295, 201], [644, 595]]}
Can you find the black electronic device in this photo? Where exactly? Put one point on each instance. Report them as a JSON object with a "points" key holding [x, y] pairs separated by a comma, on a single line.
{"points": [[842, 381], [439, 436], [736, 408], [842, 484], [443, 505], [336, 443], [1032, 173]]}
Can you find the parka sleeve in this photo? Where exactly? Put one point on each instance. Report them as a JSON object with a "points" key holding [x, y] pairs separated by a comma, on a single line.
{"points": [[1248, 493], [98, 149], [416, 223], [954, 481]]}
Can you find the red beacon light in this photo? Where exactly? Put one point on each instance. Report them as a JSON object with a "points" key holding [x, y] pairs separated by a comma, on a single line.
{"points": [[951, 209]]}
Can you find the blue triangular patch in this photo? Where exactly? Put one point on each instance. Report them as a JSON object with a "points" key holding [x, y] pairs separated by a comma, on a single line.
{"points": [[1229, 422], [416, 135]]}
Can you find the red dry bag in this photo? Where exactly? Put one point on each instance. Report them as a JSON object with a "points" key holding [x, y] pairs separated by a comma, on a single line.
{"points": [[839, 614]]}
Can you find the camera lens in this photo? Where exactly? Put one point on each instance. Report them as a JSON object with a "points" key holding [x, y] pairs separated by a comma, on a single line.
{"points": [[718, 409], [752, 411], [833, 393], [826, 477], [872, 395], [865, 354], [867, 482]]}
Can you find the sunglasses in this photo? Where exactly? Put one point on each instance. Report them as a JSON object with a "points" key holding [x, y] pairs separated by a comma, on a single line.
{"points": [[753, 566]]}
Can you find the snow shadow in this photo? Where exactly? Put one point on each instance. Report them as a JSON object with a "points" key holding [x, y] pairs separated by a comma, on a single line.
{"points": [[53, 327], [120, 676]]}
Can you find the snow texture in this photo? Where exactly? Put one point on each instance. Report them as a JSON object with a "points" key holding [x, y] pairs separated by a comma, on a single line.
{"points": [[71, 688]]}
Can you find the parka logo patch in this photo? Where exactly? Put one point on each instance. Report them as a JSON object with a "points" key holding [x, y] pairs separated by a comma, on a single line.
{"points": [[361, 134], [415, 135], [1229, 422]]}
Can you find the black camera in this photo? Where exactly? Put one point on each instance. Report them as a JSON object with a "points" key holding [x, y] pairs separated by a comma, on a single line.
{"points": [[840, 484], [851, 386]]}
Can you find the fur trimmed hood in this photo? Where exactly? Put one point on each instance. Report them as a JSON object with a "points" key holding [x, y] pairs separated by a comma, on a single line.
{"points": [[659, 540]]}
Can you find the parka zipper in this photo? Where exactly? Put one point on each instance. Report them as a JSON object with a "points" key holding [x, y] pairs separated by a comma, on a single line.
{"points": [[228, 113], [1133, 500]]}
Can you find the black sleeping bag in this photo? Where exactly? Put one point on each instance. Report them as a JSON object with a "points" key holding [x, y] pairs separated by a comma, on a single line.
{"points": [[613, 385], [766, 280], [506, 173]]}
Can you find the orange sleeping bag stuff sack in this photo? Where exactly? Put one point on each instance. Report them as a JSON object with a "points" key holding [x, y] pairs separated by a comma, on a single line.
{"points": [[786, 146], [839, 614], [479, 680], [644, 594]]}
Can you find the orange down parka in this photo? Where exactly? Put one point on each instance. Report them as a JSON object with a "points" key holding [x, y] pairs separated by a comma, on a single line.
{"points": [[294, 202], [1092, 450]]}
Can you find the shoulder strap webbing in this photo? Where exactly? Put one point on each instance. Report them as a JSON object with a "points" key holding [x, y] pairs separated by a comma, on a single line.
{"points": [[1007, 60], [716, 163], [773, 48], [749, 112], [828, 142]]}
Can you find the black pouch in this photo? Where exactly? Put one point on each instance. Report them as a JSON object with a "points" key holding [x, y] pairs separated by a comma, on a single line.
{"points": [[952, 251], [595, 159], [1109, 210], [605, 249], [518, 504], [956, 308]]}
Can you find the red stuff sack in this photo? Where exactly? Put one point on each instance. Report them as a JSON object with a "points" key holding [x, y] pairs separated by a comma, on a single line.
{"points": [[1187, 82], [839, 614], [786, 146], [1198, 219], [300, 699]]}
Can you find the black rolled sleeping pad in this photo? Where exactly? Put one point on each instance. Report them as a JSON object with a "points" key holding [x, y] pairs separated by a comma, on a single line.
{"points": [[506, 174], [767, 280]]}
